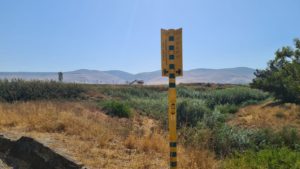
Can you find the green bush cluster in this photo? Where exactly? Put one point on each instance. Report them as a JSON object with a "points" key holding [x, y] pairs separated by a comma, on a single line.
{"points": [[288, 137], [190, 112], [20, 90], [227, 108], [154, 108], [115, 108], [278, 158], [281, 77], [227, 139], [234, 95], [129, 92]]}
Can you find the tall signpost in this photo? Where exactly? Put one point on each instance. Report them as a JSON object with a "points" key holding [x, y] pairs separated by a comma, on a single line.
{"points": [[171, 63]]}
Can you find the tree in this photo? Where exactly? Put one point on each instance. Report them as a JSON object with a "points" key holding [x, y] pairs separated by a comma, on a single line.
{"points": [[60, 76], [282, 76]]}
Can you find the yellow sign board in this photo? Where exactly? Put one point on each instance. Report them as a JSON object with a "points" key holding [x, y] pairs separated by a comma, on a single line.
{"points": [[171, 51], [171, 63]]}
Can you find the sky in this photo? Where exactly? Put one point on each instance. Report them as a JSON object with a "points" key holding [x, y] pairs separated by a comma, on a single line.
{"points": [[65, 35]]}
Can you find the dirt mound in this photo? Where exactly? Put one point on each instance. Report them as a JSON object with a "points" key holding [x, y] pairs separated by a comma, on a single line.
{"points": [[26, 153]]}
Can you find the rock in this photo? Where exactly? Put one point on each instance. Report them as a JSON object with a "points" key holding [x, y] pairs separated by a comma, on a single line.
{"points": [[26, 153]]}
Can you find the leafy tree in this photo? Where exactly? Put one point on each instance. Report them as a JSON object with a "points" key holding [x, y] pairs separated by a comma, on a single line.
{"points": [[60, 76], [282, 76]]}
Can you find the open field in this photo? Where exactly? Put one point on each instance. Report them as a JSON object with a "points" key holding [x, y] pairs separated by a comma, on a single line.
{"points": [[105, 126], [90, 137]]}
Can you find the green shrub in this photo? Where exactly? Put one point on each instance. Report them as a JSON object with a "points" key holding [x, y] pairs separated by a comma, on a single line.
{"points": [[196, 137], [227, 108], [234, 95], [129, 92], [20, 90], [154, 108], [115, 108], [214, 119], [278, 158], [190, 112], [281, 77], [227, 140], [287, 137]]}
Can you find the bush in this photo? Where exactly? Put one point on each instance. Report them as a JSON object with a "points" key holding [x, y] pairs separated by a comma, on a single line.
{"points": [[190, 112], [279, 158], [234, 95], [154, 108], [214, 119], [118, 109], [281, 78], [227, 140], [227, 108], [19, 90], [287, 137], [130, 92], [197, 137]]}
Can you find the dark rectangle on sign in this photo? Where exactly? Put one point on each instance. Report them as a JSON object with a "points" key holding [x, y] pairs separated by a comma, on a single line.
{"points": [[171, 38], [173, 154], [173, 144], [171, 57], [172, 66], [173, 164], [172, 85], [172, 75]]}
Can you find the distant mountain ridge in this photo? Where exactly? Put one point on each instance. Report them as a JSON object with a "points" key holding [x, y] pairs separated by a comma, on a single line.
{"points": [[238, 75]]}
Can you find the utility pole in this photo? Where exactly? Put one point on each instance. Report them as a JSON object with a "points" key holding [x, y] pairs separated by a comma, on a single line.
{"points": [[171, 57]]}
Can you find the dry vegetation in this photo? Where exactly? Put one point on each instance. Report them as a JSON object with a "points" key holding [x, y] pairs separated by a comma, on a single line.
{"points": [[83, 133], [268, 115]]}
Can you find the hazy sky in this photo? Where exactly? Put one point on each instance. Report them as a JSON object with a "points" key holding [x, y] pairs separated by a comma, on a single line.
{"points": [[63, 35]]}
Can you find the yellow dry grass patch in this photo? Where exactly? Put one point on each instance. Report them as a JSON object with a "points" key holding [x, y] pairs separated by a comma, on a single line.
{"points": [[82, 133], [268, 115]]}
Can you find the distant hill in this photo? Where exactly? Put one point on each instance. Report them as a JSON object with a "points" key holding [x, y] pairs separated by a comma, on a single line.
{"points": [[239, 75]]}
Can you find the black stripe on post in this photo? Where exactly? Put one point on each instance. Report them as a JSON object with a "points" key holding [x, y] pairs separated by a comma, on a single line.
{"points": [[173, 154], [173, 164], [171, 57], [172, 85], [173, 144], [172, 75], [172, 66]]}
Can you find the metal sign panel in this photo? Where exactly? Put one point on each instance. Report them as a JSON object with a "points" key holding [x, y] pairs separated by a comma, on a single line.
{"points": [[171, 63], [171, 51]]}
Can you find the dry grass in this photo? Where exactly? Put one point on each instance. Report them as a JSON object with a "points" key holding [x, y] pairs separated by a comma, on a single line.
{"points": [[155, 142], [84, 134], [197, 159], [268, 115], [68, 118]]}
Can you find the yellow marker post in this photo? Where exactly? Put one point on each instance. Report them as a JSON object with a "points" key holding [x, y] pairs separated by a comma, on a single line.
{"points": [[171, 51]]}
